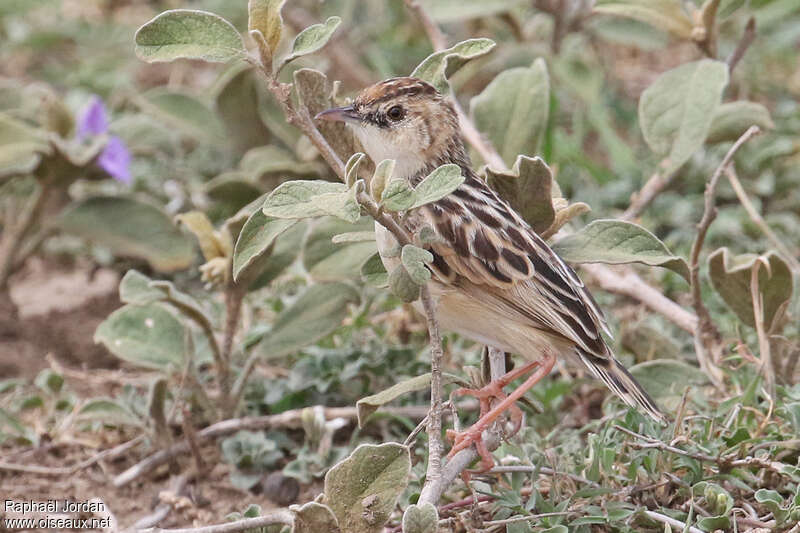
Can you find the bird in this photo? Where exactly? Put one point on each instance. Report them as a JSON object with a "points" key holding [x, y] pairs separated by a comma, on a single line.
{"points": [[493, 278]]}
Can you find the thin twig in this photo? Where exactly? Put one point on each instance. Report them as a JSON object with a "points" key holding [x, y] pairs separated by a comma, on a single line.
{"points": [[280, 516], [515, 519], [542, 470], [758, 220], [747, 39], [291, 418], [652, 188], [765, 353], [707, 336], [435, 444], [664, 519], [435, 34]]}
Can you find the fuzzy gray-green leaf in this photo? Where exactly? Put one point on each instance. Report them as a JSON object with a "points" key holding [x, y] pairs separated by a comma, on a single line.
{"points": [[731, 277], [130, 228], [661, 14], [733, 118], [318, 312], [304, 199], [144, 335], [676, 111], [255, 241], [370, 404], [362, 490], [398, 195], [617, 242], [512, 111], [437, 185], [313, 38], [414, 260], [421, 519], [528, 188], [439, 66], [191, 34], [373, 272], [314, 517], [402, 285]]}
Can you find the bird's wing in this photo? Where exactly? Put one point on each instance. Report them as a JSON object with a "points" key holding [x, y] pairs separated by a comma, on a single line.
{"points": [[484, 241]]}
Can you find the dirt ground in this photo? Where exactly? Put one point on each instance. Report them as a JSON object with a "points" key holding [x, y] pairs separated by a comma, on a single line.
{"points": [[59, 309]]}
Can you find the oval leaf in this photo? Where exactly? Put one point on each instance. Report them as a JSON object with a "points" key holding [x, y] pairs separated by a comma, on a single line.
{"points": [[528, 188], [439, 66], [421, 519], [437, 185], [255, 243], [186, 33], [130, 228], [414, 260], [373, 272], [616, 242], [184, 112], [319, 311], [304, 199], [362, 490], [512, 110], [676, 111], [370, 404], [731, 276], [328, 261], [144, 335], [733, 118], [265, 16], [314, 517], [313, 38]]}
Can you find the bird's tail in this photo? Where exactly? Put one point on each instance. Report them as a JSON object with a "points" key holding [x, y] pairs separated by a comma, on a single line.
{"points": [[622, 383]]}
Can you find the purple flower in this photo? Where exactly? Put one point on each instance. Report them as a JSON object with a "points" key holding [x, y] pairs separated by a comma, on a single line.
{"points": [[115, 158], [94, 119]]}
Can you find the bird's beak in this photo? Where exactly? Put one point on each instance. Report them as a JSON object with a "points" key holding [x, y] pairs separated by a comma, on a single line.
{"points": [[340, 114]]}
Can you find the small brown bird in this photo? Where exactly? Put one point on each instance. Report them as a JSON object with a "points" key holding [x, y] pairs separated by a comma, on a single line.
{"points": [[494, 279]]}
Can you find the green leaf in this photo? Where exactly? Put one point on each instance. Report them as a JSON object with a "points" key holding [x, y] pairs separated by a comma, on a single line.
{"points": [[661, 14], [437, 185], [130, 228], [398, 195], [273, 164], [362, 489], [773, 501], [370, 404], [255, 244], [381, 176], [414, 260], [11, 426], [439, 66], [314, 517], [229, 192], [666, 379], [528, 188], [373, 272], [285, 251], [313, 38], [108, 411], [191, 34], [421, 519], [304, 199], [402, 285], [617, 242], [144, 335], [265, 16], [134, 288], [314, 91], [351, 168], [354, 236], [676, 111], [731, 277], [21, 146], [732, 119], [328, 261], [236, 101], [314, 315], [184, 112], [512, 111]]}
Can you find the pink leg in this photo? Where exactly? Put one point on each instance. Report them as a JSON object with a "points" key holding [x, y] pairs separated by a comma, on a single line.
{"points": [[473, 435]]}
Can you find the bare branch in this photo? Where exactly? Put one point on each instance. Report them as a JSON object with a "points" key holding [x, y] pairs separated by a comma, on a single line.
{"points": [[664, 519], [747, 39], [280, 516], [707, 337], [652, 188], [437, 38], [435, 444], [759, 221]]}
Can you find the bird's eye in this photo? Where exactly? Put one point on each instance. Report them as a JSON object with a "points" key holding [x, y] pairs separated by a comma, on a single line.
{"points": [[395, 113]]}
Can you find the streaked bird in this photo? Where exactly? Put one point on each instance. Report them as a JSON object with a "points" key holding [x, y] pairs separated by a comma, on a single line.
{"points": [[494, 279]]}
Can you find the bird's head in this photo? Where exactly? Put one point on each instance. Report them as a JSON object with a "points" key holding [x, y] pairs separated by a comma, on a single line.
{"points": [[405, 119]]}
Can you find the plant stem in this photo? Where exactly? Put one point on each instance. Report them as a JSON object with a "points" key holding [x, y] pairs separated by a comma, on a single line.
{"points": [[652, 188], [759, 221], [708, 342], [279, 516], [764, 352], [14, 233], [435, 444]]}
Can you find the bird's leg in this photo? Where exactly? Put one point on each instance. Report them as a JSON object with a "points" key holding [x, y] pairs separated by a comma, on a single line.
{"points": [[473, 435]]}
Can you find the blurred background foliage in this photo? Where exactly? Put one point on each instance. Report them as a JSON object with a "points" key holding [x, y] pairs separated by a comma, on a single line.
{"points": [[209, 141]]}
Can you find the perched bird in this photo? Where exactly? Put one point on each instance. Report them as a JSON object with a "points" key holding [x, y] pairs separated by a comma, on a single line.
{"points": [[494, 279]]}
